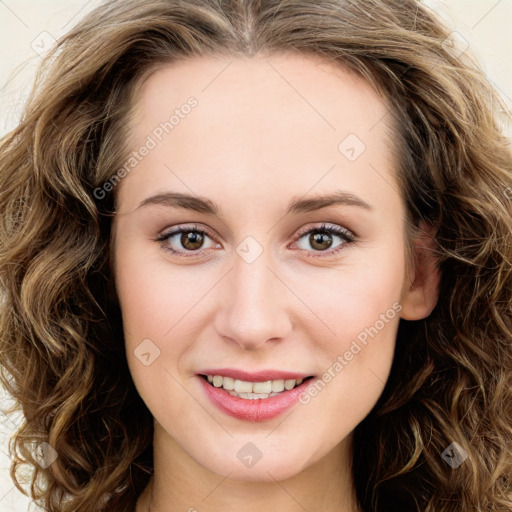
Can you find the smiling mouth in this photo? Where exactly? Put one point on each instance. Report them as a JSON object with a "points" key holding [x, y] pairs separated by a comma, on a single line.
{"points": [[253, 390]]}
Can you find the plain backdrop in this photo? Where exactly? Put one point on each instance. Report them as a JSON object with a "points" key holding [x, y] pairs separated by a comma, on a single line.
{"points": [[28, 27]]}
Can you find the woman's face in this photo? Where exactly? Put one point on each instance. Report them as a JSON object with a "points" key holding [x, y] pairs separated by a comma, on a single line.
{"points": [[290, 263]]}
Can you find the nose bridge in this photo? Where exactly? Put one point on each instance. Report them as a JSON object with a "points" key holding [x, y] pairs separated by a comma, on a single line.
{"points": [[253, 309]]}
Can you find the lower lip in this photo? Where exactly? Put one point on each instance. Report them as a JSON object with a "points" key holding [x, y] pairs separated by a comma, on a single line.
{"points": [[259, 409]]}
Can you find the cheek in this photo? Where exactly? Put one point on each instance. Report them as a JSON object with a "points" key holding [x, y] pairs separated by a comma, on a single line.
{"points": [[356, 363], [360, 305], [151, 305], [159, 307], [149, 299], [354, 297]]}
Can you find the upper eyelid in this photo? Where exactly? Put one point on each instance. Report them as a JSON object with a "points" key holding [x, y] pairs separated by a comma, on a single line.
{"points": [[175, 230], [327, 227]]}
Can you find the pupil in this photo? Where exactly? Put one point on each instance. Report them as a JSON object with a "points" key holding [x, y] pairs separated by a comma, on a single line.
{"points": [[317, 239]]}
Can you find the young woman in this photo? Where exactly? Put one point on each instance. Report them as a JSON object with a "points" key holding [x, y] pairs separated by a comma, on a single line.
{"points": [[257, 256]]}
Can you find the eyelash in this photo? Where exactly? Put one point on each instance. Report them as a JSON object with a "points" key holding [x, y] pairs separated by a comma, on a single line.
{"points": [[347, 237]]}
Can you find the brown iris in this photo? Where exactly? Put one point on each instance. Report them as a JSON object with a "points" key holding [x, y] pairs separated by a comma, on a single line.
{"points": [[191, 240], [319, 239]]}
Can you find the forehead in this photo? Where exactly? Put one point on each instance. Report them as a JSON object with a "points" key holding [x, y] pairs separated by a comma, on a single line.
{"points": [[328, 95], [288, 118]]}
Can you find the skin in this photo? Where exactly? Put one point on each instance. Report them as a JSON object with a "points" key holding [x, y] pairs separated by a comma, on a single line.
{"points": [[265, 132]]}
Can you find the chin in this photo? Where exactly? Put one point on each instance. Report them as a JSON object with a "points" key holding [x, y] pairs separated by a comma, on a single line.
{"points": [[254, 458]]}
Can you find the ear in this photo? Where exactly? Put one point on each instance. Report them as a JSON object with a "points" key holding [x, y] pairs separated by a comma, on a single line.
{"points": [[421, 291]]}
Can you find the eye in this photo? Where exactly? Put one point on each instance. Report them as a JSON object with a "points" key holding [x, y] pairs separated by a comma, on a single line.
{"points": [[190, 239], [321, 239]]}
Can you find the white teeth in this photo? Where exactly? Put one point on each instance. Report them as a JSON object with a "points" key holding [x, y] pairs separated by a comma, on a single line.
{"points": [[262, 387], [241, 386], [289, 384], [253, 390], [277, 386], [228, 383]]}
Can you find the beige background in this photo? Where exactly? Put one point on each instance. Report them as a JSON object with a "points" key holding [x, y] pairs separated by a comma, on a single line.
{"points": [[28, 26]]}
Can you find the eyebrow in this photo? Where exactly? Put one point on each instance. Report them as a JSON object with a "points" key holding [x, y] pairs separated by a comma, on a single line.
{"points": [[204, 205]]}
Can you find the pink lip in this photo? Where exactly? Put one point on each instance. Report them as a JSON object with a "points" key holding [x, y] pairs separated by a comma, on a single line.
{"points": [[260, 409], [261, 376]]}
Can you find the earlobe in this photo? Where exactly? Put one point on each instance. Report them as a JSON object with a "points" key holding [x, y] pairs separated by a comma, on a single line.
{"points": [[422, 292]]}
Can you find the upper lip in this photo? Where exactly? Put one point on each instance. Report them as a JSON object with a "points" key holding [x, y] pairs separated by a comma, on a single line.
{"points": [[259, 376]]}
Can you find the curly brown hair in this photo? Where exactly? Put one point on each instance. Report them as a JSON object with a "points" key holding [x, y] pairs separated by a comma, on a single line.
{"points": [[61, 337]]}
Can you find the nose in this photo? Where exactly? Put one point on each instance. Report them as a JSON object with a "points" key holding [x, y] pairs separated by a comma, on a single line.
{"points": [[254, 305]]}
